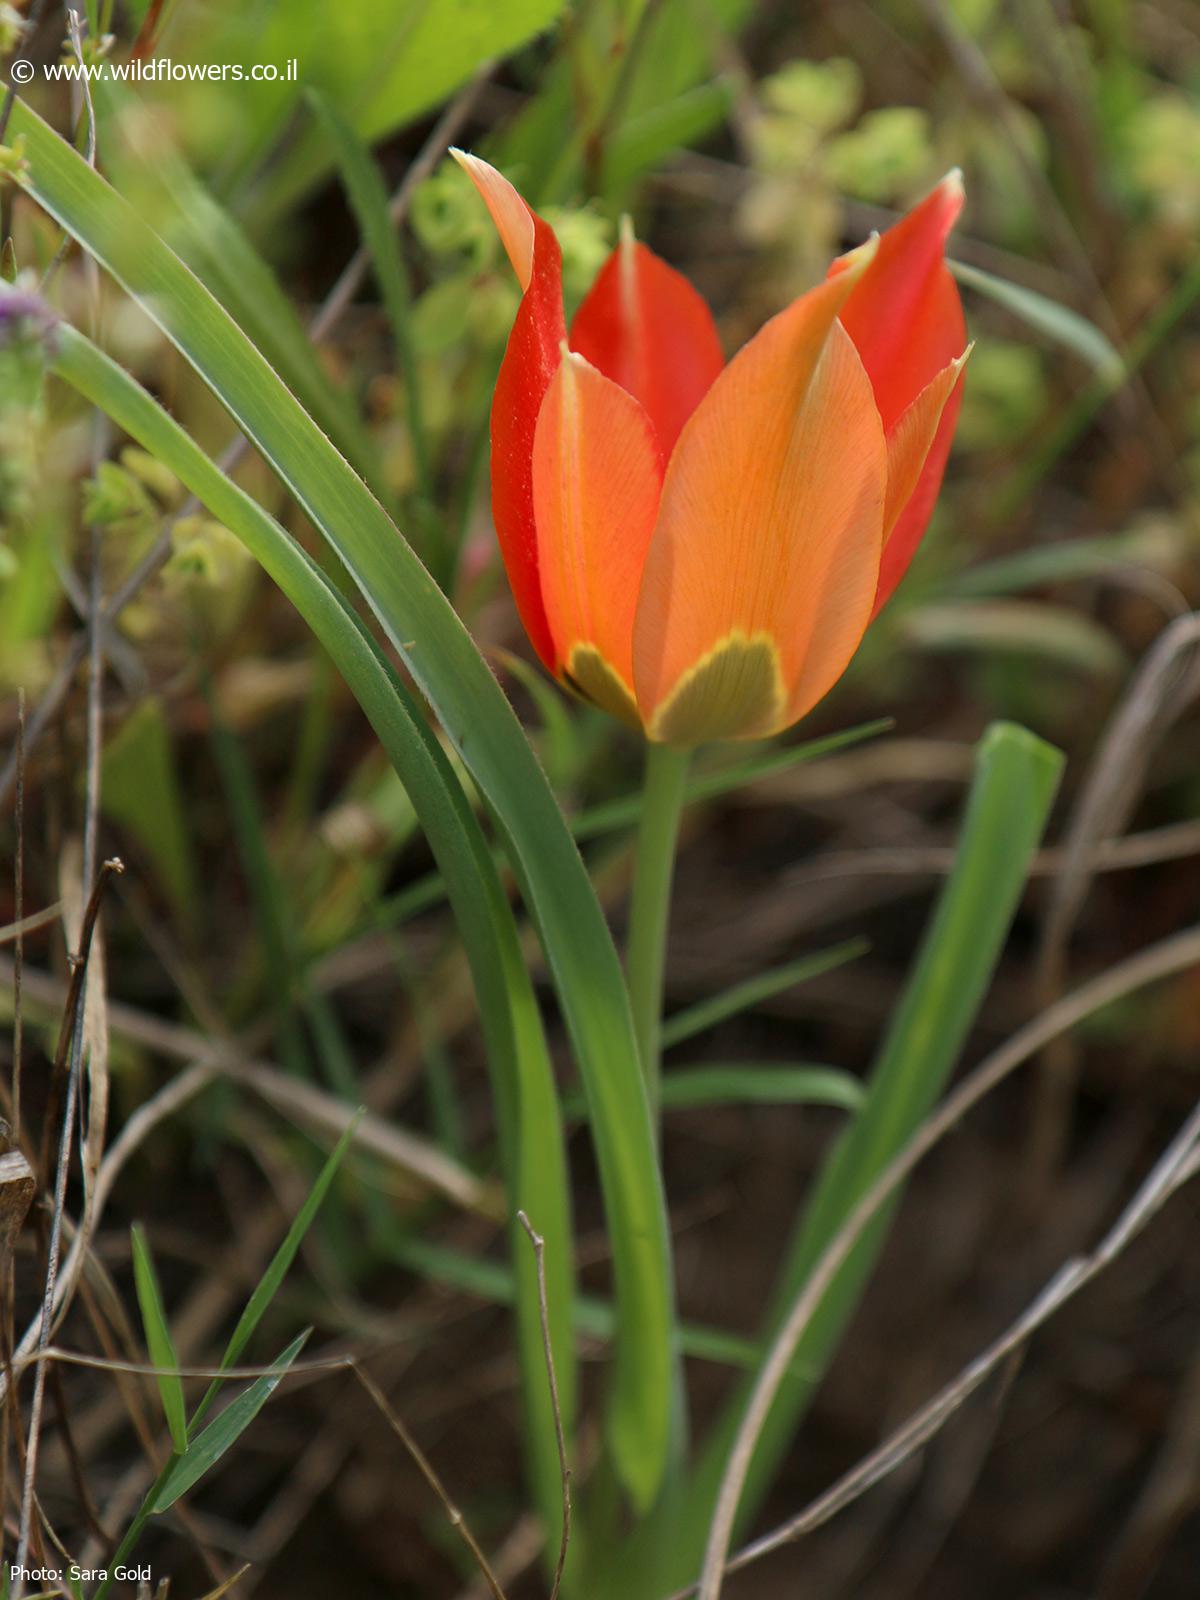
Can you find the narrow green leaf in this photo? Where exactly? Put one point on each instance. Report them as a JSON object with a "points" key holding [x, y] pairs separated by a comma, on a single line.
{"points": [[727, 778], [732, 1083], [481, 727], [493, 1281], [1030, 630], [369, 201], [526, 1096], [1048, 317], [207, 1448], [141, 791], [1158, 546], [273, 915], [1016, 776], [744, 1083], [268, 1285], [717, 1008], [161, 185], [158, 1339]]}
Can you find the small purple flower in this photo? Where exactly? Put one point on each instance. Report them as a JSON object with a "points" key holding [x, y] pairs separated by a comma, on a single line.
{"points": [[25, 317]]}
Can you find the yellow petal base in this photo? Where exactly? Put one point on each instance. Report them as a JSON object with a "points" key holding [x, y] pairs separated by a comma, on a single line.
{"points": [[735, 691], [590, 675]]}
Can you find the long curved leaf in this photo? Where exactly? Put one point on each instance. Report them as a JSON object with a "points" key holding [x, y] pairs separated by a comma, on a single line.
{"points": [[483, 728], [527, 1102]]}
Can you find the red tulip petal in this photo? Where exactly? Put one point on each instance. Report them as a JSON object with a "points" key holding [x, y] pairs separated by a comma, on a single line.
{"points": [[597, 474], [530, 362], [644, 326], [760, 576], [906, 320]]}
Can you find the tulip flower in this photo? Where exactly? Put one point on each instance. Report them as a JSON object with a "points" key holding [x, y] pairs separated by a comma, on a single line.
{"points": [[699, 547]]}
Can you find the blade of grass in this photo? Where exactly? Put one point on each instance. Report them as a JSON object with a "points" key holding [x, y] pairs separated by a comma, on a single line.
{"points": [[207, 1448], [740, 1083], [732, 1083], [1048, 317], [158, 1339], [613, 815], [1062, 561], [368, 196], [481, 726], [274, 918], [493, 1281], [268, 1285], [526, 1096], [707, 1013], [219, 252], [1016, 776]]}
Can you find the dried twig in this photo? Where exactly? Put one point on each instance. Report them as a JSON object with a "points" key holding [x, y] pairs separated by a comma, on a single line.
{"points": [[72, 1038], [18, 920], [1177, 1166], [539, 1252], [72, 1022], [1157, 695], [1159, 961], [457, 1521]]}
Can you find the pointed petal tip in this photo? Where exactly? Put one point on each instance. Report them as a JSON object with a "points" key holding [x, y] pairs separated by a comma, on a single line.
{"points": [[512, 217], [953, 192], [855, 262]]}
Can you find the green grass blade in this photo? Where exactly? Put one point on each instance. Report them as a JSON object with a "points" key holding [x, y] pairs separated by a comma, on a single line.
{"points": [[1065, 560], [158, 1339], [1047, 317], [595, 1318], [221, 1435], [738, 1083], [272, 915], [481, 727], [162, 186], [268, 1285], [369, 201], [526, 1096], [733, 1083], [1016, 776], [717, 1008], [614, 815]]}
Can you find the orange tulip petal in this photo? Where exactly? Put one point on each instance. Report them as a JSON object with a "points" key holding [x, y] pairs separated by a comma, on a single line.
{"points": [[760, 576], [645, 327], [906, 320], [911, 438], [530, 362], [597, 475]]}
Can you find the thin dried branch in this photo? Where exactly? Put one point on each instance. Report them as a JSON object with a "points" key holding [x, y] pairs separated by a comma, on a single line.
{"points": [[539, 1252], [455, 1517], [73, 1021], [14, 933], [1148, 966], [1176, 1167], [1156, 697]]}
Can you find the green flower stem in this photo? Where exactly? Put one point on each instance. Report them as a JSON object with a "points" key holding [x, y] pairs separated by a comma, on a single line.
{"points": [[653, 869]]}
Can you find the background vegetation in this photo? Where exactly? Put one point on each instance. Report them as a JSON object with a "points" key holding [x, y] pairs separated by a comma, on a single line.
{"points": [[278, 951]]}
